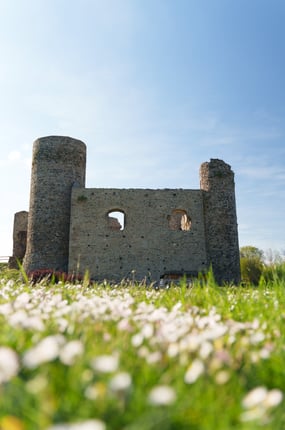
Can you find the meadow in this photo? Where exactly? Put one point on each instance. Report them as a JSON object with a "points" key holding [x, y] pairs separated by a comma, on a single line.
{"points": [[129, 357]]}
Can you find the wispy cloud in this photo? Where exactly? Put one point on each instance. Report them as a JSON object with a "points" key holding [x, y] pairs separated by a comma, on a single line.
{"points": [[223, 133], [262, 172], [16, 158]]}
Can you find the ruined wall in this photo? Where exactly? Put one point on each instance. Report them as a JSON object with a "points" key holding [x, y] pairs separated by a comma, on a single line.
{"points": [[19, 239], [217, 183], [58, 162], [163, 232]]}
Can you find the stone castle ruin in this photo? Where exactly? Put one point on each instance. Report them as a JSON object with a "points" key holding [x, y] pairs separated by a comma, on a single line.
{"points": [[118, 234]]}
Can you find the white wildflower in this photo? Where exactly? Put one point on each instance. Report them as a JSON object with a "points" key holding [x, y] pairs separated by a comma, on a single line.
{"points": [[92, 392], [21, 300], [162, 395], [124, 325], [10, 283], [105, 363], [214, 332], [258, 401], [222, 377], [9, 364], [173, 349], [153, 357], [257, 337], [121, 382], [33, 322], [62, 324], [206, 349], [266, 351], [5, 308], [137, 340], [254, 397], [46, 350], [194, 371], [254, 357], [56, 299], [70, 351], [147, 331], [274, 398], [93, 424], [18, 318], [143, 351], [190, 343]]}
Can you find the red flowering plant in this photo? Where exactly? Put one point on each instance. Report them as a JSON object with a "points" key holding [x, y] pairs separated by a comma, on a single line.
{"points": [[53, 276]]}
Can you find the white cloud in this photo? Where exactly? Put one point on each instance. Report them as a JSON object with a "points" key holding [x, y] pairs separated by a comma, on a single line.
{"points": [[259, 172], [14, 156]]}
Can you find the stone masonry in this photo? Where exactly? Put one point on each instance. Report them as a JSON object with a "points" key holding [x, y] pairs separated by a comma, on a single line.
{"points": [[19, 239], [58, 165], [164, 232], [217, 183], [148, 246]]}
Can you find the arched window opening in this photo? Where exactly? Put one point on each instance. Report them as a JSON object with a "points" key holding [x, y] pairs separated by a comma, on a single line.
{"points": [[116, 220], [179, 220]]}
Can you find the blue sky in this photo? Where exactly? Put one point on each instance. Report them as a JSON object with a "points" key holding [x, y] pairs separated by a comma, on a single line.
{"points": [[154, 88]]}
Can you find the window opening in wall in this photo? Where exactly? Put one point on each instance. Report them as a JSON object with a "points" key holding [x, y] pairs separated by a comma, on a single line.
{"points": [[116, 220], [179, 220]]}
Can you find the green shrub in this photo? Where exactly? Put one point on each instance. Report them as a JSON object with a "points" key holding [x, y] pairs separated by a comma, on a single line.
{"points": [[274, 273], [251, 264], [251, 270]]}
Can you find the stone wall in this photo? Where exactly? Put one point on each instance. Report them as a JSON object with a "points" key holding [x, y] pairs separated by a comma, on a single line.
{"points": [[217, 183], [152, 242], [170, 231], [58, 163], [19, 239]]}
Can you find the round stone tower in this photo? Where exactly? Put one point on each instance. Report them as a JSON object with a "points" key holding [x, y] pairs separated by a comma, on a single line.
{"points": [[217, 183], [58, 163], [19, 239]]}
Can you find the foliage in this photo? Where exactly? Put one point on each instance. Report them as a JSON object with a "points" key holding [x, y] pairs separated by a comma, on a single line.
{"points": [[273, 273], [106, 358], [251, 252], [251, 270], [251, 264], [3, 267]]}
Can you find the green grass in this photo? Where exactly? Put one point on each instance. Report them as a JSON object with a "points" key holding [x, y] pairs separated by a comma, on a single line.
{"points": [[96, 355]]}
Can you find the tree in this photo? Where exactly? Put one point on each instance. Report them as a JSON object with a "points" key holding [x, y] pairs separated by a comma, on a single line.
{"points": [[251, 252], [251, 264]]}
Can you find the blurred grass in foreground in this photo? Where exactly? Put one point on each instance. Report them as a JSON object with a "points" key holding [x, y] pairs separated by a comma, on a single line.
{"points": [[98, 357]]}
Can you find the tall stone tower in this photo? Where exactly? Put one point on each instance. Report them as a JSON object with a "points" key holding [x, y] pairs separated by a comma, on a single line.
{"points": [[58, 164], [217, 182], [19, 239]]}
